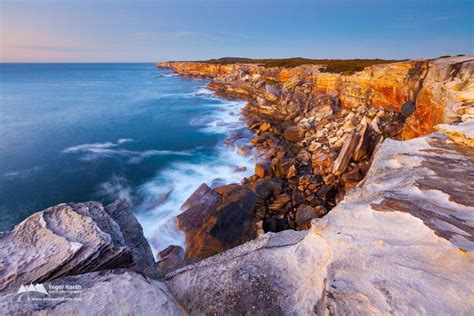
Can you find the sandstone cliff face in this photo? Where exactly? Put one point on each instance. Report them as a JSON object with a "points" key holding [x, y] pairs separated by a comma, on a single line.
{"points": [[441, 89]]}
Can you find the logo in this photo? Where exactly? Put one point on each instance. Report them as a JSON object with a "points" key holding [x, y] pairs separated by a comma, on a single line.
{"points": [[39, 292], [38, 288]]}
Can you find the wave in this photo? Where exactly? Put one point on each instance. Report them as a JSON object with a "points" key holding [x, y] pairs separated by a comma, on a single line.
{"points": [[163, 196], [96, 151], [24, 173]]}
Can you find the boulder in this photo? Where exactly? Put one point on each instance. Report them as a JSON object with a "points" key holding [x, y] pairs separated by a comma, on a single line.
{"points": [[346, 154], [132, 231], [69, 239], [199, 208], [408, 108], [323, 159], [170, 259], [265, 188], [263, 169], [362, 150], [196, 196], [225, 223], [305, 213], [293, 134], [111, 292], [265, 127], [272, 92], [235, 223]]}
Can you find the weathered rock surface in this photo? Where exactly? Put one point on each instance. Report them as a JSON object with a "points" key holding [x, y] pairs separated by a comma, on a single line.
{"points": [[272, 275], [217, 219], [170, 259], [401, 242], [69, 239], [115, 292], [462, 133]]}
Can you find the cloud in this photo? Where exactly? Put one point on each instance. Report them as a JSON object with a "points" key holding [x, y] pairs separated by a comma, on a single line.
{"points": [[109, 150]]}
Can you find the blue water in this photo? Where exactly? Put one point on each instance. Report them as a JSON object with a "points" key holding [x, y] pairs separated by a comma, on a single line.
{"points": [[79, 132]]}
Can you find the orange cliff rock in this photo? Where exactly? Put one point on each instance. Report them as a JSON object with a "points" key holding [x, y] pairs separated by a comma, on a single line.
{"points": [[442, 89]]}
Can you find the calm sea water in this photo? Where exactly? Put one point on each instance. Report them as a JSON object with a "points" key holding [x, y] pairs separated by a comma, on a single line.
{"points": [[79, 132]]}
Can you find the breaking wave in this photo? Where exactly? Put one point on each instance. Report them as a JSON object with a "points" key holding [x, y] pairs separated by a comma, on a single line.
{"points": [[163, 196]]}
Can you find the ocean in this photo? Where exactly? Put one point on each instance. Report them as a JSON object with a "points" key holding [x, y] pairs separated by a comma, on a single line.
{"points": [[80, 132]]}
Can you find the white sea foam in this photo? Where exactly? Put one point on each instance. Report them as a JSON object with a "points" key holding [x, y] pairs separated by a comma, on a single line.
{"points": [[164, 195], [109, 149], [22, 173], [118, 188]]}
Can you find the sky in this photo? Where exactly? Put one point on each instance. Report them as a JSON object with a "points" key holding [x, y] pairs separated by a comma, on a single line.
{"points": [[151, 31]]}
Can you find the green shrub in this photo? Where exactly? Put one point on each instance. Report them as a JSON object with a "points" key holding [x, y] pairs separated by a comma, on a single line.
{"points": [[344, 66]]}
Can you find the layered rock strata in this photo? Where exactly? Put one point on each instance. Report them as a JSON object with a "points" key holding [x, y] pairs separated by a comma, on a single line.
{"points": [[70, 239], [440, 88], [81, 259]]}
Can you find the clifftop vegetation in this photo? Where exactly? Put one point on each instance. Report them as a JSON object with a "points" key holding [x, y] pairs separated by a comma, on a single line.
{"points": [[344, 66]]}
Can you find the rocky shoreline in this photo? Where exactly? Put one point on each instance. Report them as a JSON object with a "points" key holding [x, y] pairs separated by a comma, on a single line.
{"points": [[338, 219], [315, 134]]}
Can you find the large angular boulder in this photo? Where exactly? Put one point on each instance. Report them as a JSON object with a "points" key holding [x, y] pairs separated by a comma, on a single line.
{"points": [[70, 239], [112, 292], [217, 219]]}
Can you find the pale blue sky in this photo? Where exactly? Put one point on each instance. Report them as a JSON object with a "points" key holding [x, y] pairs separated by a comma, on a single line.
{"points": [[87, 30]]}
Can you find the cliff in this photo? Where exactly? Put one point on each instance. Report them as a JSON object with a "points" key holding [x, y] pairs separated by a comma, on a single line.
{"points": [[441, 89]]}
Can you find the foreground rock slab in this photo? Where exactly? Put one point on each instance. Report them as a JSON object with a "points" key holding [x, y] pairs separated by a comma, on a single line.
{"points": [[272, 275], [401, 242], [70, 239], [117, 292]]}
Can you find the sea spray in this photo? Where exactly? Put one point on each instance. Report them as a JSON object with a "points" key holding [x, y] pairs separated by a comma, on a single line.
{"points": [[163, 196]]}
